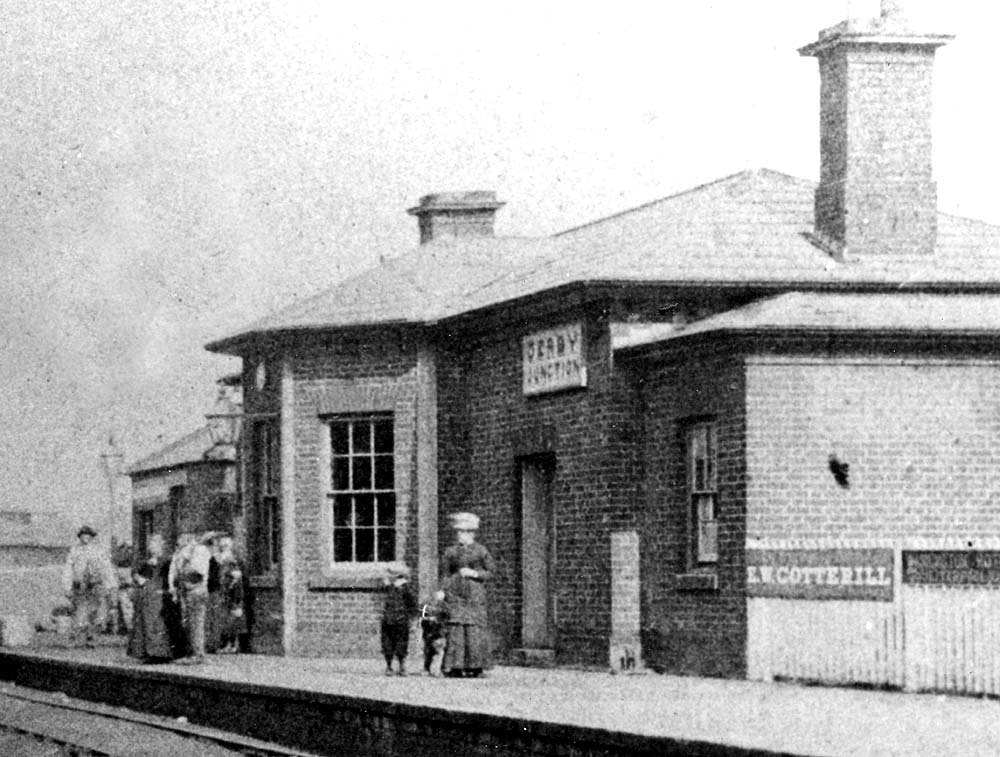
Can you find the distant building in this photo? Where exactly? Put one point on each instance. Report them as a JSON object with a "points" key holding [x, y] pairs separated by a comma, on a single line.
{"points": [[30, 539], [33, 549], [190, 485], [747, 430]]}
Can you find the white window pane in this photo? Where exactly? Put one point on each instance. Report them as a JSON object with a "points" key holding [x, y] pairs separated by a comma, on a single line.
{"points": [[706, 509], [708, 541]]}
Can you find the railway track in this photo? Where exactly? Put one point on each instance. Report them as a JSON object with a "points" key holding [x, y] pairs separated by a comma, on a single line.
{"points": [[44, 723]]}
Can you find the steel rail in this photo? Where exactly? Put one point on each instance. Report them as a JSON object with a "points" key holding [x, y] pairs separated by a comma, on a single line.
{"points": [[242, 744]]}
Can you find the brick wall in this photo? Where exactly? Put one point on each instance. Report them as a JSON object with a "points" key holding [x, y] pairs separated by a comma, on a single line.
{"points": [[687, 629], [486, 425], [205, 502], [918, 431], [336, 614], [919, 436], [207, 505]]}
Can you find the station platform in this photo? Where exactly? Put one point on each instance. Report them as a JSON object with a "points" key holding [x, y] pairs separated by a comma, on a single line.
{"points": [[349, 707]]}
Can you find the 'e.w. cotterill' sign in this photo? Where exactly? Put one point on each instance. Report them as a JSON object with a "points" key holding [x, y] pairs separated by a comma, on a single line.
{"points": [[820, 574], [553, 360], [952, 568]]}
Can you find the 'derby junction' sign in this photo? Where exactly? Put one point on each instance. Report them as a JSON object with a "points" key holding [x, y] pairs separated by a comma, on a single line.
{"points": [[553, 360]]}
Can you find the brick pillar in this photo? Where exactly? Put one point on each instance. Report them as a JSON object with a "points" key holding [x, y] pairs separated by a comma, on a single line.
{"points": [[288, 556], [427, 484]]}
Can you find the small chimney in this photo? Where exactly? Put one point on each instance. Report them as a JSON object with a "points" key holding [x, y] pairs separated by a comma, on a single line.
{"points": [[456, 214], [876, 192]]}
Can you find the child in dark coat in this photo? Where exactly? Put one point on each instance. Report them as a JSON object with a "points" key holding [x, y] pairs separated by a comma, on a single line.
{"points": [[399, 609]]}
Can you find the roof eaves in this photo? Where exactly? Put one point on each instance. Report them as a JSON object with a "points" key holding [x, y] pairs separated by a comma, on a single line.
{"points": [[640, 349], [142, 465], [233, 345]]}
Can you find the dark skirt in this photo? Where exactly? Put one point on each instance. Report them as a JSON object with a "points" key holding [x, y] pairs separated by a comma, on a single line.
{"points": [[234, 627], [468, 648], [150, 638], [215, 621]]}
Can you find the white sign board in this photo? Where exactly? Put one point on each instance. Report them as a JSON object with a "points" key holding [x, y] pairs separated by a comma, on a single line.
{"points": [[553, 360]]}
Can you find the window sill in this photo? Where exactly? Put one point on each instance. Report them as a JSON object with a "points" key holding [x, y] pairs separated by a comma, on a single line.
{"points": [[364, 577], [265, 581], [707, 580]]}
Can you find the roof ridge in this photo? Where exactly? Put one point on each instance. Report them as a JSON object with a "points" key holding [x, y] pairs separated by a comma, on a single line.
{"points": [[979, 221], [745, 173]]}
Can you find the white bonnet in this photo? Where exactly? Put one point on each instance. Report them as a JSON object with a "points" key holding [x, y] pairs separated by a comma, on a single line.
{"points": [[465, 522]]}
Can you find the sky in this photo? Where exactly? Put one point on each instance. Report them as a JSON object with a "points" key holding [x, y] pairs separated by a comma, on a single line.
{"points": [[174, 170]]}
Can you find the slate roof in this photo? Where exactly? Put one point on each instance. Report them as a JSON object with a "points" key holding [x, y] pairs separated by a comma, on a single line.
{"points": [[752, 228], [906, 312], [187, 449]]}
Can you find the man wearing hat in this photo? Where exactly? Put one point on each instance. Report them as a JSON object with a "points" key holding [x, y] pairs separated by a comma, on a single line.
{"points": [[87, 579], [466, 567]]}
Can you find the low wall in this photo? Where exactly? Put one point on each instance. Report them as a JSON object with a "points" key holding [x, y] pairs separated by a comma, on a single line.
{"points": [[330, 724]]}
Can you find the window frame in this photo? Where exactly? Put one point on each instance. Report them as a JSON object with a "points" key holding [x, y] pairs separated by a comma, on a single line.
{"points": [[145, 528], [347, 465], [701, 454], [267, 495]]}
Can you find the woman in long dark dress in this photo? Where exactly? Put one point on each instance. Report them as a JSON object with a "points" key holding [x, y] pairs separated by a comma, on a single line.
{"points": [[467, 566], [150, 638]]}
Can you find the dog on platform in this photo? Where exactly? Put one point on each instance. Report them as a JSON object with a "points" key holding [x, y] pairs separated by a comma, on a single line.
{"points": [[432, 622]]}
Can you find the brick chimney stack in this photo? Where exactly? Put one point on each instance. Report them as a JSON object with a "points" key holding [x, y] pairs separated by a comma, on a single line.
{"points": [[876, 192], [456, 214]]}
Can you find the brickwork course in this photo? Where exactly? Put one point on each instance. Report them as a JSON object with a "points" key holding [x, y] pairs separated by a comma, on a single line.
{"points": [[811, 324]]}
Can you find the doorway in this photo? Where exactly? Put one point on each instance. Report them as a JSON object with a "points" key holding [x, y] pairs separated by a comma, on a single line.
{"points": [[537, 552]]}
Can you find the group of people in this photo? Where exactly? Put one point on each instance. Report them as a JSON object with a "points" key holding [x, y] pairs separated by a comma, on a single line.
{"points": [[191, 603], [194, 602], [454, 624], [182, 605]]}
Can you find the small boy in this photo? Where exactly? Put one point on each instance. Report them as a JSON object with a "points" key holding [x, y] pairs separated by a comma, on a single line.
{"points": [[399, 609], [432, 618]]}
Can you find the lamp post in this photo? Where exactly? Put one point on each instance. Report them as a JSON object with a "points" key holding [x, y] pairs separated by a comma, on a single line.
{"points": [[112, 459], [225, 424]]}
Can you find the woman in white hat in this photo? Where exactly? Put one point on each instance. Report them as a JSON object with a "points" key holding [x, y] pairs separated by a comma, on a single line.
{"points": [[466, 567]]}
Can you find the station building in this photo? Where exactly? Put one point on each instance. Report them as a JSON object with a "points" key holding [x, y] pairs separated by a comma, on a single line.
{"points": [[750, 429], [191, 485]]}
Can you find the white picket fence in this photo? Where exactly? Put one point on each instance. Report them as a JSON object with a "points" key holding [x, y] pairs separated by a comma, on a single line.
{"points": [[927, 638], [952, 639]]}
